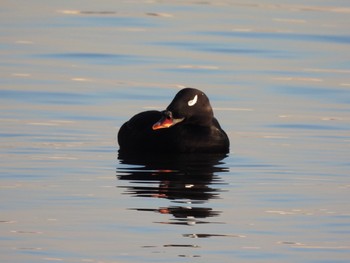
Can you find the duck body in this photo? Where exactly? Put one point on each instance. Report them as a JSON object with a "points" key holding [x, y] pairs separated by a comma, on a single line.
{"points": [[186, 126]]}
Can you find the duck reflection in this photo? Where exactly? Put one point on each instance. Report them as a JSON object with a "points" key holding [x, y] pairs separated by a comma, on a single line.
{"points": [[188, 180]]}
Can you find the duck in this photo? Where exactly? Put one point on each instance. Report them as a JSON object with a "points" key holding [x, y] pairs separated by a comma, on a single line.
{"points": [[187, 125]]}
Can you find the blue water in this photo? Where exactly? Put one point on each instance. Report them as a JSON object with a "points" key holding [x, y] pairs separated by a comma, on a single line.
{"points": [[277, 75]]}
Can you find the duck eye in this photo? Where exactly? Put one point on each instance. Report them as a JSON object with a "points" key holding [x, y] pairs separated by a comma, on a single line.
{"points": [[193, 101]]}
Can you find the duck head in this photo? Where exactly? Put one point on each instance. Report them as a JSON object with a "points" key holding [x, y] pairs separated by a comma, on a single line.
{"points": [[190, 106]]}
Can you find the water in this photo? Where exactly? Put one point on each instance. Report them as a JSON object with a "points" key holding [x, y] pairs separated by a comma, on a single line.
{"points": [[277, 75]]}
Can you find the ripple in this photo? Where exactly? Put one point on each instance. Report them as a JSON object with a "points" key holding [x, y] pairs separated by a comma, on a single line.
{"points": [[101, 58], [287, 36], [210, 235]]}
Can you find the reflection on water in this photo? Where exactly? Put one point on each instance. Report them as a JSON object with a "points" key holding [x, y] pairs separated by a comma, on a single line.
{"points": [[188, 180]]}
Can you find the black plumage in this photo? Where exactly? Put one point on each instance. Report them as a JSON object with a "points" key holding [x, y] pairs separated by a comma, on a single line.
{"points": [[187, 125]]}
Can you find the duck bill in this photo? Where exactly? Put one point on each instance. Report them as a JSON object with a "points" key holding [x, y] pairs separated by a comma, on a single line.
{"points": [[165, 122]]}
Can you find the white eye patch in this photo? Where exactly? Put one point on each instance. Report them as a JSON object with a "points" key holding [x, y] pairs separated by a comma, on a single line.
{"points": [[193, 101]]}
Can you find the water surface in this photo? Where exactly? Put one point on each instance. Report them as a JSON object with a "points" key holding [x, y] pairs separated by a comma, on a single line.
{"points": [[277, 75]]}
